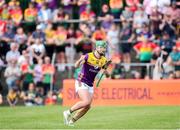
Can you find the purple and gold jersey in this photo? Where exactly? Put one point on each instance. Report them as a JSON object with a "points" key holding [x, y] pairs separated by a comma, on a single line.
{"points": [[90, 68]]}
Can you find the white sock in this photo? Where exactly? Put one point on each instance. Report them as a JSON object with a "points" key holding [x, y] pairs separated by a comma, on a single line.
{"points": [[68, 111], [71, 122]]}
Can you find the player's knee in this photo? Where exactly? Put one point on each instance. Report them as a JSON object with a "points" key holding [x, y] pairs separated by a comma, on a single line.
{"points": [[87, 103], [88, 106]]}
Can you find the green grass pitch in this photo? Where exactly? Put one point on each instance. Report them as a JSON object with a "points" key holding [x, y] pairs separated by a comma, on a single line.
{"points": [[50, 117]]}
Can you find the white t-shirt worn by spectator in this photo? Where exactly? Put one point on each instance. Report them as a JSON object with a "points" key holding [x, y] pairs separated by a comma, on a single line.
{"points": [[150, 4], [11, 55], [38, 48], [12, 72]]}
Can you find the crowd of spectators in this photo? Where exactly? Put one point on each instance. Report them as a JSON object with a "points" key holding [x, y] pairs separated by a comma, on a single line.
{"points": [[31, 32]]}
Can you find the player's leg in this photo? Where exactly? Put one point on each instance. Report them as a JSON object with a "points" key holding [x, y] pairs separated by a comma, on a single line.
{"points": [[85, 100], [80, 113], [85, 94]]}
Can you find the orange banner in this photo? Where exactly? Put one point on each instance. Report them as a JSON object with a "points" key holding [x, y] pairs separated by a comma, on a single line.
{"points": [[128, 92]]}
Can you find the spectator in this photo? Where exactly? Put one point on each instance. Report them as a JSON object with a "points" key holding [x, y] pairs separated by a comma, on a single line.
{"points": [[132, 3], [148, 6], [85, 28], [2, 2], [12, 97], [30, 96], [48, 71], [30, 16], [70, 46], [68, 7], [39, 3], [52, 4], [168, 69], [107, 22], [38, 33], [157, 54], [38, 75], [174, 59], [12, 74], [60, 38], [20, 38], [12, 4], [116, 6], [13, 54], [126, 37], [145, 31], [175, 12], [113, 40], [162, 4], [23, 58], [50, 40], [127, 15], [38, 50], [3, 25], [27, 69], [99, 34], [88, 15], [82, 5], [136, 75], [79, 35], [166, 26], [118, 71], [157, 60], [139, 11], [39, 97], [105, 17], [16, 15], [171, 75], [44, 15], [86, 45], [144, 50], [155, 19], [5, 14], [140, 18], [166, 43], [8, 36], [59, 15], [51, 98], [104, 11], [49, 32]]}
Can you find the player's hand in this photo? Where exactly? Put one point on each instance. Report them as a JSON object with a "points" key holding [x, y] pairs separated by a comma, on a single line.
{"points": [[79, 62], [108, 62], [82, 57]]}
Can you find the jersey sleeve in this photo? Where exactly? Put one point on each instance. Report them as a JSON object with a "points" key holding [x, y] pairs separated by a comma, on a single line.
{"points": [[86, 57], [137, 46]]}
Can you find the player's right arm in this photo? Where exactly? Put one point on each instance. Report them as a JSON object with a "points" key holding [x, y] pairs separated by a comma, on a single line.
{"points": [[79, 62]]}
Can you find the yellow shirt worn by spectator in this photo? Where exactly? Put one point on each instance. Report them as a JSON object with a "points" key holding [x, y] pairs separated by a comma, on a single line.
{"points": [[60, 36], [12, 97], [13, 3], [30, 14]]}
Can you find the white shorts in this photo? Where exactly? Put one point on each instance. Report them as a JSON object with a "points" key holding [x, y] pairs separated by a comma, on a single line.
{"points": [[80, 85]]}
